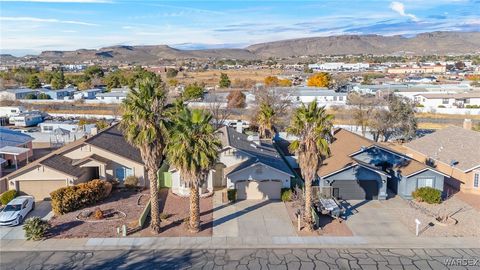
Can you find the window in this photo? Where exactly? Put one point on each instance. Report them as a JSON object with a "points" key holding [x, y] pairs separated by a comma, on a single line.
{"points": [[476, 179], [445, 101], [123, 172], [425, 182], [340, 98]]}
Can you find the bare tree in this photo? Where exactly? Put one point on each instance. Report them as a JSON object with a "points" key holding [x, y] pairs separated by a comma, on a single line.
{"points": [[220, 112], [278, 101]]}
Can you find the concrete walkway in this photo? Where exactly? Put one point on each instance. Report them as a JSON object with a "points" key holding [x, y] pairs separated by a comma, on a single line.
{"points": [[153, 243]]}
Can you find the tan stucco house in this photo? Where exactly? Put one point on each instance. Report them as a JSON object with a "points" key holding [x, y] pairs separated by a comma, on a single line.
{"points": [[454, 151], [105, 155]]}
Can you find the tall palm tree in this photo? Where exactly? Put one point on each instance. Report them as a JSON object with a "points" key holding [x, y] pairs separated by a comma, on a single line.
{"points": [[193, 150], [144, 125], [265, 119], [312, 125]]}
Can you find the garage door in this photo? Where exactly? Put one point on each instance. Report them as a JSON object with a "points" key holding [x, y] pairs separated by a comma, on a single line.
{"points": [[355, 190], [259, 190], [40, 189]]}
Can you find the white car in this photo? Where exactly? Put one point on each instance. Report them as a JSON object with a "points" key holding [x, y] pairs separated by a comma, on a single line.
{"points": [[16, 210]]}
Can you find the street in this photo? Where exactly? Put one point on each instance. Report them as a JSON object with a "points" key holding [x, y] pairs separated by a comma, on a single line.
{"points": [[246, 259]]}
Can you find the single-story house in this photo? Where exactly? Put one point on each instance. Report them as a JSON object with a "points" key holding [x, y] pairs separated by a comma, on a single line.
{"points": [[253, 167], [106, 155], [449, 100], [13, 138], [455, 151], [360, 169], [112, 97], [323, 95], [60, 94], [16, 94]]}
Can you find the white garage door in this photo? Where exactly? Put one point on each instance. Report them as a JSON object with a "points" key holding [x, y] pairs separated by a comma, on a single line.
{"points": [[40, 189], [259, 190]]}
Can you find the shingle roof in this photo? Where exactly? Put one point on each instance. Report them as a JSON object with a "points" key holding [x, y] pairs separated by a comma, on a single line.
{"points": [[264, 153], [448, 144], [62, 164], [112, 140], [347, 143]]}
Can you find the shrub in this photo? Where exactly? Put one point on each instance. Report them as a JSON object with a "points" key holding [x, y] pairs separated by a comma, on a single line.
{"points": [[286, 194], [164, 216], [35, 228], [131, 181], [441, 106], [428, 194], [7, 196], [472, 106], [98, 213], [71, 198], [232, 194]]}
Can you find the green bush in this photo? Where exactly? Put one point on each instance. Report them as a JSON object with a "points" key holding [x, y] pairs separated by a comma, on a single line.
{"points": [[428, 194], [35, 228], [472, 106], [68, 199], [441, 106], [7, 196], [286, 194], [232, 194], [131, 181]]}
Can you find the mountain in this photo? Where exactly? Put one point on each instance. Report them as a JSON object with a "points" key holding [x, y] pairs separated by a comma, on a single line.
{"points": [[422, 44]]}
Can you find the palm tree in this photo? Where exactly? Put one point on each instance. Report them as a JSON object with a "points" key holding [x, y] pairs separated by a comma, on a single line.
{"points": [[312, 125], [193, 150], [265, 119], [144, 125]]}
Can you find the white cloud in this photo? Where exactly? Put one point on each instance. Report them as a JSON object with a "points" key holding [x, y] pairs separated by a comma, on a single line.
{"points": [[400, 9], [34, 19]]}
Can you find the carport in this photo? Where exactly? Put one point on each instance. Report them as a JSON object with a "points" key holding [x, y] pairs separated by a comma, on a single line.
{"points": [[14, 151]]}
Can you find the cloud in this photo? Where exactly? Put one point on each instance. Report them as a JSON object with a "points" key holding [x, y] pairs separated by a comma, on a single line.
{"points": [[34, 19], [400, 9]]}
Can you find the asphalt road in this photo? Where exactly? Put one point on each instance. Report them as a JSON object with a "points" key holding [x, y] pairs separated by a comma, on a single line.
{"points": [[246, 259]]}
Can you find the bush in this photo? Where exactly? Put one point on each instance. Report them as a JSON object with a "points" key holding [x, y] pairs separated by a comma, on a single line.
{"points": [[441, 106], [428, 194], [68, 199], [7, 196], [164, 216], [131, 181], [472, 106], [98, 213], [35, 228], [286, 195], [232, 194]]}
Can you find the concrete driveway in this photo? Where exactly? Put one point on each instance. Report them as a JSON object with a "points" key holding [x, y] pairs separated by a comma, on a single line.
{"points": [[42, 209], [376, 218], [251, 218]]}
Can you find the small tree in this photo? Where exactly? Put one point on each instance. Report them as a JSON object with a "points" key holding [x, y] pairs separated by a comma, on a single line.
{"points": [[43, 96], [31, 96], [192, 91], [34, 82], [172, 73], [224, 81], [321, 79], [271, 81], [236, 99], [35, 228]]}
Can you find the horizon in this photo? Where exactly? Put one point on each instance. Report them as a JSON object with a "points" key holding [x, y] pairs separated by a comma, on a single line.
{"points": [[33, 26]]}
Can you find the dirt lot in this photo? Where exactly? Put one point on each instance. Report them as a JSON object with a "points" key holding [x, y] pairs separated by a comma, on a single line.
{"points": [[330, 227], [177, 209], [212, 77], [128, 202]]}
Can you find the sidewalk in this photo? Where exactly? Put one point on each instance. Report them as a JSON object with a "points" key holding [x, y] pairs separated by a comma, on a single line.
{"points": [[158, 243]]}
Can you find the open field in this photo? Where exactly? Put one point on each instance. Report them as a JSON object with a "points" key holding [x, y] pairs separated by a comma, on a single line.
{"points": [[211, 77]]}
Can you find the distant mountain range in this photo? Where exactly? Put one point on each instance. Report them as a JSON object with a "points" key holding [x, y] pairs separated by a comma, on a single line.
{"points": [[441, 43]]}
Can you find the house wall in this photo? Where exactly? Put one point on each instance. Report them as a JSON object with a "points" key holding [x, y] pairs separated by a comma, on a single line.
{"points": [[435, 102], [42, 173], [358, 173], [115, 161], [258, 172], [408, 185], [458, 178]]}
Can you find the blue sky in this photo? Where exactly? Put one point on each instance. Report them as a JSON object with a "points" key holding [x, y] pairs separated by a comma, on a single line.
{"points": [[31, 26]]}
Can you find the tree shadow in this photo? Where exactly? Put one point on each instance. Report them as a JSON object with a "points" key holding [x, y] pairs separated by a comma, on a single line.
{"points": [[61, 228], [240, 213]]}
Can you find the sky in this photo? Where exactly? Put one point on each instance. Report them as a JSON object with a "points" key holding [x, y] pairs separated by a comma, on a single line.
{"points": [[32, 26]]}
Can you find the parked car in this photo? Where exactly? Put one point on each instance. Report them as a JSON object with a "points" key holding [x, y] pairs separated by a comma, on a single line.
{"points": [[16, 210]]}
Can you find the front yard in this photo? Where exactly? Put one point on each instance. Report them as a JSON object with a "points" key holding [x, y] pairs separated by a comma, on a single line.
{"points": [[174, 210], [129, 202]]}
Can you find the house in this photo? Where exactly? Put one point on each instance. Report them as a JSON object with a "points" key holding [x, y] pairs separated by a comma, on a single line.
{"points": [[361, 169], [323, 95], [112, 97], [26, 119], [449, 100], [61, 94], [252, 167], [69, 126], [16, 94], [103, 156], [8, 111], [91, 93], [418, 70], [455, 151]]}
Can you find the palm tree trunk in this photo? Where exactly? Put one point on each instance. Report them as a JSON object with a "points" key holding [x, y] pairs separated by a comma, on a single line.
{"points": [[155, 207], [194, 208], [307, 218]]}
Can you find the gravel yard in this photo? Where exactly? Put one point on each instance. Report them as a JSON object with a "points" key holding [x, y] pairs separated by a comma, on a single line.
{"points": [[467, 216], [129, 202]]}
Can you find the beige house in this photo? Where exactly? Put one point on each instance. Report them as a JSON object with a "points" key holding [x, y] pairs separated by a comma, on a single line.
{"points": [[454, 151], [105, 155]]}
